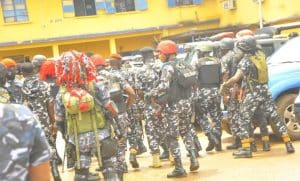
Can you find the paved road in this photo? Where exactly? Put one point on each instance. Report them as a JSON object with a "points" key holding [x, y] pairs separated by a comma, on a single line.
{"points": [[275, 165]]}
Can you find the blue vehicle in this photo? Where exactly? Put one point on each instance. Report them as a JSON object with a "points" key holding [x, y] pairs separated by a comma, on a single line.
{"points": [[284, 82]]}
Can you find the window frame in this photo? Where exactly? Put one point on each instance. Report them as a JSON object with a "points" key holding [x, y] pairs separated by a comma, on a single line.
{"points": [[14, 10]]}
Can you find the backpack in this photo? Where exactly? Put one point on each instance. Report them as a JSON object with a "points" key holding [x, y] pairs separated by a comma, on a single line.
{"points": [[261, 68], [184, 78], [209, 72], [77, 100], [184, 74]]}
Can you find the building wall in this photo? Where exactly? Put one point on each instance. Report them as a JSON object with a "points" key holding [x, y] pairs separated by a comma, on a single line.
{"points": [[51, 31]]}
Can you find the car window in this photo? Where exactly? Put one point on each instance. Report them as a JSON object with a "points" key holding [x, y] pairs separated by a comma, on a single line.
{"points": [[289, 52]]}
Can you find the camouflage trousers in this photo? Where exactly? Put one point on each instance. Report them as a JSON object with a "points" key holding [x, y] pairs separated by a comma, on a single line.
{"points": [[250, 104], [208, 104], [155, 127], [135, 131], [185, 124], [233, 109], [87, 147], [259, 119], [123, 124], [178, 120]]}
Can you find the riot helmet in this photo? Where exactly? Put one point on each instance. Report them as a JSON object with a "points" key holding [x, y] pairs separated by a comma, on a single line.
{"points": [[244, 32], [38, 60], [11, 66], [247, 44], [147, 53], [227, 44], [167, 47]]}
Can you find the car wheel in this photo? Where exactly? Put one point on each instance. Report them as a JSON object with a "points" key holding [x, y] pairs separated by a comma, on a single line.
{"points": [[285, 108]]}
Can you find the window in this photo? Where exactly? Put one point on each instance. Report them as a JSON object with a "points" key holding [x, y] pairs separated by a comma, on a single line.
{"points": [[124, 5], [14, 11], [84, 7], [173, 3], [73, 8], [183, 2]]}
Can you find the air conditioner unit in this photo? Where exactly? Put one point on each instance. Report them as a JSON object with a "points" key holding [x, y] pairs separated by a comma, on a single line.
{"points": [[229, 4]]}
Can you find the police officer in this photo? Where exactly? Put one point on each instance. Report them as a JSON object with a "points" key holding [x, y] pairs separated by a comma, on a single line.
{"points": [[146, 77], [24, 148], [37, 96], [174, 105], [88, 123], [4, 95], [118, 87], [208, 98], [253, 71], [13, 86], [229, 62]]}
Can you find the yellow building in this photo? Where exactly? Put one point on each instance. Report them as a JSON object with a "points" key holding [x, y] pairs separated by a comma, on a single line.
{"points": [[49, 27]]}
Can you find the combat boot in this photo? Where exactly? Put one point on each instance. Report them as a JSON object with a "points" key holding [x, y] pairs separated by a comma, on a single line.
{"points": [[288, 144], [245, 150], [235, 145], [218, 146], [212, 140], [266, 143], [156, 163], [141, 148], [178, 171], [113, 176], [194, 161], [54, 170], [84, 175], [197, 144], [132, 158], [165, 154], [253, 146]]}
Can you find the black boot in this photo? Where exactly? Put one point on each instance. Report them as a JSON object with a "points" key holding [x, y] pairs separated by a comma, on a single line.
{"points": [[194, 162], [141, 148], [218, 146], [84, 175], [197, 144], [289, 147], [111, 176], [253, 146], [178, 171], [235, 145], [54, 170], [266, 146], [133, 160], [243, 153], [212, 140], [165, 154]]}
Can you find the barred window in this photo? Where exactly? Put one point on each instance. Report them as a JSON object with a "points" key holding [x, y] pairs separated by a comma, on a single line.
{"points": [[124, 5], [84, 7], [14, 11], [174, 3], [184, 2]]}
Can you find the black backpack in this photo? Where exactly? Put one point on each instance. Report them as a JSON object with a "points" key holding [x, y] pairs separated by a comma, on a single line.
{"points": [[184, 78]]}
